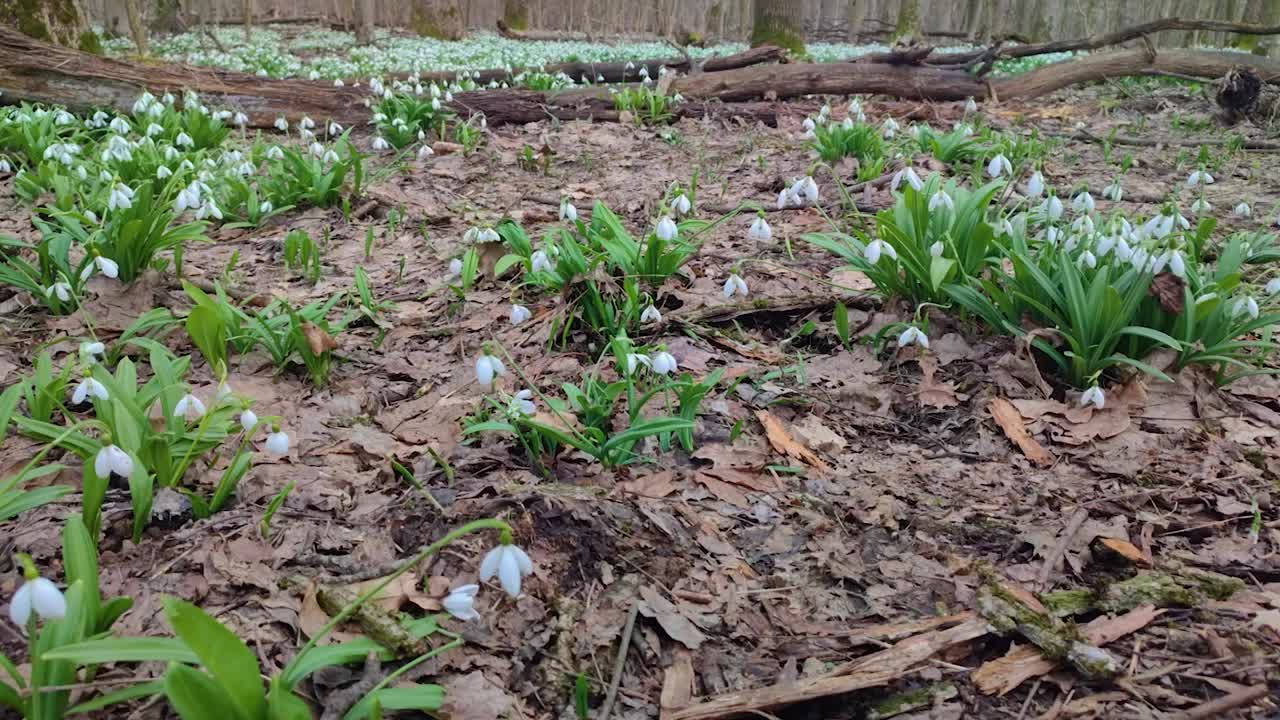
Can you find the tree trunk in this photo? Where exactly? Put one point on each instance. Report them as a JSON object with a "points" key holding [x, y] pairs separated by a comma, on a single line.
{"points": [[855, 12], [780, 23], [515, 13], [362, 13], [248, 19], [440, 19], [137, 28], [62, 22], [908, 27], [165, 17]]}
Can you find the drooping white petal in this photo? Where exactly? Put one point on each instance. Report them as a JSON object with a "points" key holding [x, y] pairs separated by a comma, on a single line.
{"points": [[248, 420], [489, 565], [47, 599], [650, 315], [509, 572], [20, 606], [278, 443]]}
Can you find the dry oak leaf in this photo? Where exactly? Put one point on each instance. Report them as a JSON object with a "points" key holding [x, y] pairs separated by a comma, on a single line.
{"points": [[317, 339], [1010, 421], [782, 441]]}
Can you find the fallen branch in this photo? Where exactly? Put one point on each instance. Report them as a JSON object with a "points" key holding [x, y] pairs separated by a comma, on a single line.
{"points": [[1010, 609], [1217, 708]]}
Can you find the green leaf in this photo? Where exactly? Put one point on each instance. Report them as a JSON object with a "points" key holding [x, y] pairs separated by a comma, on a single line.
{"points": [[110, 650], [195, 696], [939, 270], [132, 692], [840, 317], [227, 658], [205, 326], [282, 704]]}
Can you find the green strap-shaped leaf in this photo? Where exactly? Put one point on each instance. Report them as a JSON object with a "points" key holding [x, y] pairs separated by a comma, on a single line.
{"points": [[227, 658]]}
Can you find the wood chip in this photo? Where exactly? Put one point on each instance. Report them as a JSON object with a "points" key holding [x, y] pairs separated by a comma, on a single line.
{"points": [[1010, 420]]}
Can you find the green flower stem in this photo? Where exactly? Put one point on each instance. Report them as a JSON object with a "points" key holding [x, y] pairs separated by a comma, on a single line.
{"points": [[476, 525]]}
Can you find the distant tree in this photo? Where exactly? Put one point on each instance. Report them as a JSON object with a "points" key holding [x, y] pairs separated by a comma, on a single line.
{"points": [[363, 16], [908, 27], [63, 22], [137, 27], [440, 19], [515, 14], [779, 22]]}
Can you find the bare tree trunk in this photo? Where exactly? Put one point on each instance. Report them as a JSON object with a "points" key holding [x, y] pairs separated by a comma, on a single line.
{"points": [[137, 28], [362, 16], [63, 22], [908, 27], [515, 13], [779, 22], [441, 19], [248, 19], [855, 13]]}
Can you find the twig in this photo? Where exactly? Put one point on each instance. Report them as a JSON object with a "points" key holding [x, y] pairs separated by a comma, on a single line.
{"points": [[1077, 519], [620, 662], [1216, 708], [1030, 696]]}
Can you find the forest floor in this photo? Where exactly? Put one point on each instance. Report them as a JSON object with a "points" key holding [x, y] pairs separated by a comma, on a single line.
{"points": [[838, 500]]}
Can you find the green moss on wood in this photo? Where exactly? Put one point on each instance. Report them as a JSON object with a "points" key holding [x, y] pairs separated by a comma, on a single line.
{"points": [[90, 43], [779, 34], [435, 24], [57, 21], [515, 14]]}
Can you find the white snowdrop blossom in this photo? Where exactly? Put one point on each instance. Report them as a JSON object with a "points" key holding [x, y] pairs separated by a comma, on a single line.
{"points": [[808, 126], [635, 360], [908, 174], [1087, 258], [523, 402], [890, 128], [306, 123], [188, 405], [106, 266], [1052, 207], [1035, 185], [519, 314], [808, 188], [936, 249], [664, 363], [1245, 305], [278, 443], [1113, 192], [183, 140], [379, 143], [87, 388], [425, 152], [913, 336], [460, 603], [1093, 396], [120, 125], [1083, 202], [568, 213], [650, 315], [489, 367], [876, 248], [760, 230], [941, 199], [240, 119], [735, 285], [281, 124], [111, 459], [1177, 265], [5, 167], [509, 564], [1242, 210], [39, 595], [1201, 207], [266, 207], [681, 205], [455, 267], [120, 198], [666, 230], [998, 166], [163, 172], [248, 420], [970, 106], [208, 209], [275, 153], [1273, 286], [539, 261], [1199, 177], [60, 290]]}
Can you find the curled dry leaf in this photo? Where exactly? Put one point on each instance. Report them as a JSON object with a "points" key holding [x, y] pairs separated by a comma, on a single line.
{"points": [[317, 339], [782, 441], [1010, 421]]}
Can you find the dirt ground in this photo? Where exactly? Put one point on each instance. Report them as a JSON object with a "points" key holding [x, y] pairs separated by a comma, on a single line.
{"points": [[870, 514]]}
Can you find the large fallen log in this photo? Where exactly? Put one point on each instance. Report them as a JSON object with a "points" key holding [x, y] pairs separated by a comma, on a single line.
{"points": [[35, 71]]}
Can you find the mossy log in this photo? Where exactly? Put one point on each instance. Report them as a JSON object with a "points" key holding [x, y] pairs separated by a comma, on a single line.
{"points": [[1011, 611], [376, 623], [1170, 585]]}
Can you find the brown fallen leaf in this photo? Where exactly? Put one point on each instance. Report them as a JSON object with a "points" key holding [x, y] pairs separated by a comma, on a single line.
{"points": [[317, 339], [723, 490], [1118, 551], [677, 626], [1010, 420], [654, 485], [782, 441], [933, 393]]}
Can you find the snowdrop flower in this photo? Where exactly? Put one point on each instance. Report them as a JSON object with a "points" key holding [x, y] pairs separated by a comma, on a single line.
{"points": [[488, 367], [111, 459], [106, 266], [281, 124], [1087, 258], [278, 443], [876, 248], [120, 197], [890, 128], [1093, 396], [1199, 177], [153, 130], [248, 420], [809, 127], [240, 119], [735, 285], [5, 167], [86, 388], [539, 261], [1035, 186], [913, 336], [120, 125], [908, 174], [90, 350], [1273, 286], [183, 140], [970, 106], [785, 198], [40, 595], [568, 212], [266, 207], [941, 199], [664, 363], [1052, 207], [681, 205], [509, 564], [1113, 192], [644, 71], [1177, 265], [275, 153], [208, 209], [262, 72], [808, 188], [1083, 203], [760, 230], [998, 166], [650, 315], [460, 603], [1245, 305], [635, 360], [188, 404], [1139, 258], [1123, 252], [519, 314], [143, 103], [523, 402], [60, 290], [379, 143], [1242, 210], [666, 230], [163, 172], [936, 249]]}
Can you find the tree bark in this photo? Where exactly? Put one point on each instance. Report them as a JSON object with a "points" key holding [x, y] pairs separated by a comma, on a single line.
{"points": [[440, 19], [247, 7], [62, 22], [908, 27], [515, 14], [137, 28], [780, 23]]}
